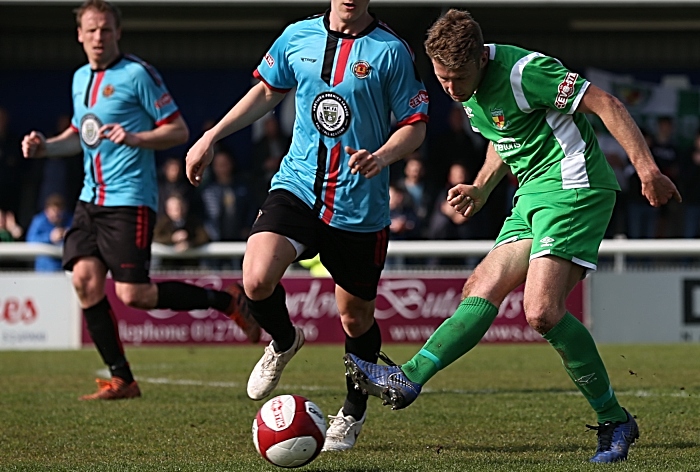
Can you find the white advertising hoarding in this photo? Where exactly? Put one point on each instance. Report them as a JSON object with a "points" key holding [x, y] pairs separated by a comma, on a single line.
{"points": [[38, 311], [645, 307]]}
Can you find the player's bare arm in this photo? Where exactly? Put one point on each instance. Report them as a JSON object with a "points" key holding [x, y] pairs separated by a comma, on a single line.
{"points": [[467, 200], [403, 142], [656, 187], [65, 144], [160, 138], [259, 100]]}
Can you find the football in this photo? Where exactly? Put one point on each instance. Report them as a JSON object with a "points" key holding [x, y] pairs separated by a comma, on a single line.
{"points": [[289, 431]]}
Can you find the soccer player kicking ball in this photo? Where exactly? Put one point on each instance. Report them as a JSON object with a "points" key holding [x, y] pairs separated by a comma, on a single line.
{"points": [[331, 193], [530, 108], [122, 112]]}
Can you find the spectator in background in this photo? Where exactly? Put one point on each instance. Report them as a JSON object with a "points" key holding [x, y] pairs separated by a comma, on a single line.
{"points": [[618, 160], [452, 145], [10, 165], [405, 223], [642, 218], [413, 182], [690, 185], [172, 181], [268, 151], [10, 231], [61, 176], [667, 157], [178, 228], [444, 224], [229, 209], [50, 227]]}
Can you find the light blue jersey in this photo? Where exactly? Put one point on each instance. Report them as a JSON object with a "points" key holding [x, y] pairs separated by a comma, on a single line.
{"points": [[131, 93], [347, 89]]}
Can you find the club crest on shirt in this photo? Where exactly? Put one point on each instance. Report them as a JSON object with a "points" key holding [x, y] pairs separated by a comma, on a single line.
{"points": [[90, 130], [108, 91], [361, 69], [499, 119], [330, 114]]}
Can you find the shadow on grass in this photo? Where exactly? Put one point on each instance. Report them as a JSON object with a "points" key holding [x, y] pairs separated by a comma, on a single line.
{"points": [[441, 449], [673, 445]]}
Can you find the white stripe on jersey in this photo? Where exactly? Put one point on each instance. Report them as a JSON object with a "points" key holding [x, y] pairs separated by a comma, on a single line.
{"points": [[516, 81], [567, 134]]}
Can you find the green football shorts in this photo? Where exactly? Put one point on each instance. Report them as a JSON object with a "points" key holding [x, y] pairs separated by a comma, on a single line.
{"points": [[566, 223]]}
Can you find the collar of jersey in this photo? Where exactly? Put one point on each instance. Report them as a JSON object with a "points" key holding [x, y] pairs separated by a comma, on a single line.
{"points": [[111, 64], [339, 35]]}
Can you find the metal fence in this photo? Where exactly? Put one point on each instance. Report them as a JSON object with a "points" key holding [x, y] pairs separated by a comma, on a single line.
{"points": [[618, 250]]}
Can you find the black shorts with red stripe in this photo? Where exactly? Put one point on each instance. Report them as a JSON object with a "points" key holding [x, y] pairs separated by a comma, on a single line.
{"points": [[355, 260], [119, 236]]}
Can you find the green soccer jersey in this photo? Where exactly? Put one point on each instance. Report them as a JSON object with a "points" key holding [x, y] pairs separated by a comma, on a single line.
{"points": [[525, 106]]}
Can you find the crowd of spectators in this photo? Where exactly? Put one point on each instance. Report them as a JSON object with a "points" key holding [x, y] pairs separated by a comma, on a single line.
{"points": [[42, 193]]}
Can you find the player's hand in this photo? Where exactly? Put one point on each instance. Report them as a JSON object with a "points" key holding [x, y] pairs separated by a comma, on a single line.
{"points": [[465, 199], [659, 190], [364, 162], [118, 135], [198, 158], [34, 145]]}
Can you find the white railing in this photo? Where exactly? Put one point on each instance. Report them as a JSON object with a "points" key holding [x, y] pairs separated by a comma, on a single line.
{"points": [[620, 249]]}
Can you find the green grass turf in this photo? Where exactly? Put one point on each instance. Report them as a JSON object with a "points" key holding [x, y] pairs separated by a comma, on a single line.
{"points": [[500, 408]]}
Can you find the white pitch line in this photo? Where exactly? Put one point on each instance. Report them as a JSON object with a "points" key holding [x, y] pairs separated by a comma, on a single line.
{"points": [[202, 383]]}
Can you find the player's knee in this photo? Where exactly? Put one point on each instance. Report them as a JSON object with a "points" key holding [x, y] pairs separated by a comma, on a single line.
{"points": [[130, 296], [356, 321], [257, 288], [540, 319]]}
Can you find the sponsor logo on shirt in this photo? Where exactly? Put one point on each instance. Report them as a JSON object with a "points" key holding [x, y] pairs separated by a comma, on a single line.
{"points": [[164, 99], [420, 97], [269, 59], [566, 90], [506, 145], [108, 91], [499, 118], [90, 130], [361, 69], [305, 59], [330, 114]]}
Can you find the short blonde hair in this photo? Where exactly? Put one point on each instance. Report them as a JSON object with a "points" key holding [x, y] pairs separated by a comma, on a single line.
{"points": [[455, 39], [101, 6]]}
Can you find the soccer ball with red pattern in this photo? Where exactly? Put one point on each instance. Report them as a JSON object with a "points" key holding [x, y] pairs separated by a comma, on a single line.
{"points": [[289, 431]]}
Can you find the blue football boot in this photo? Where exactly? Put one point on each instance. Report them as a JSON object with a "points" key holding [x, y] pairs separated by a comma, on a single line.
{"points": [[614, 440], [386, 382]]}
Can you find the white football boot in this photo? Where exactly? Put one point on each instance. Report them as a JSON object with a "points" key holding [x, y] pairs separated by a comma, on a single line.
{"points": [[267, 372], [342, 432]]}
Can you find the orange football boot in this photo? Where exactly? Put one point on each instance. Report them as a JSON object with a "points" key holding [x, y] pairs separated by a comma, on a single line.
{"points": [[238, 311], [114, 389]]}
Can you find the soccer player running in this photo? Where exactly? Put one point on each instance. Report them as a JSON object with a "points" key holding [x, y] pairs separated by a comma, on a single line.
{"points": [[122, 112], [331, 193], [531, 109]]}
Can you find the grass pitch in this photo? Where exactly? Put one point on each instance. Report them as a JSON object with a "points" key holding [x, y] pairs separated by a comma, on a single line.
{"points": [[500, 408]]}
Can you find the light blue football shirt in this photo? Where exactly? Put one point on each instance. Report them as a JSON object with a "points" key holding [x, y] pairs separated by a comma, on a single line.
{"points": [[129, 92], [347, 88]]}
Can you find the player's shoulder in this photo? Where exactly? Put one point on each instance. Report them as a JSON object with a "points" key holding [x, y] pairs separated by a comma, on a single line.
{"points": [[510, 54], [306, 25], [82, 72], [385, 33], [140, 69]]}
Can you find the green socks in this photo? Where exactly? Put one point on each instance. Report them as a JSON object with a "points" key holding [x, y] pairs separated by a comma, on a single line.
{"points": [[455, 337], [582, 362]]}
